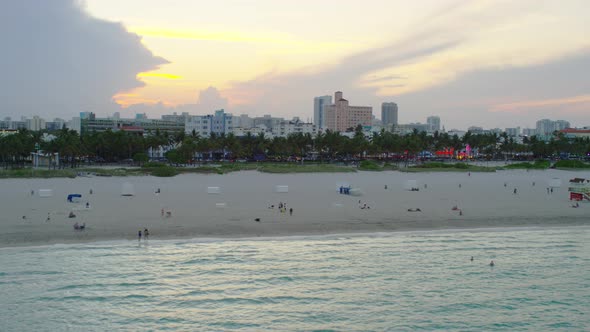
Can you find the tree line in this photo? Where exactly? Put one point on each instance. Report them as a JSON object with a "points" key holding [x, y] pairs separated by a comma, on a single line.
{"points": [[116, 146]]}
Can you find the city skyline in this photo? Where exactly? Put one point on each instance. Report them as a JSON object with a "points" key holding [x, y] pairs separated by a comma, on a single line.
{"points": [[491, 64]]}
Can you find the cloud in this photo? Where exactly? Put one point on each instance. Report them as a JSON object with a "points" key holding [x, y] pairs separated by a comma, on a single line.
{"points": [[525, 105], [57, 60], [509, 96], [160, 75], [210, 99]]}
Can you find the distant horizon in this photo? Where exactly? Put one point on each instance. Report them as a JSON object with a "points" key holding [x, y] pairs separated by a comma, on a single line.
{"points": [[499, 64]]}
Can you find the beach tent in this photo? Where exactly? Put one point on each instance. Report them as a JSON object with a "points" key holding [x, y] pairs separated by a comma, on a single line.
{"points": [[127, 189], [45, 192], [341, 185], [282, 189], [355, 192], [411, 184], [72, 198], [213, 190]]}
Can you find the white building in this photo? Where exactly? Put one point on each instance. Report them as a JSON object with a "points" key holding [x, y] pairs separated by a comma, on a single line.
{"points": [[203, 125], [254, 131], [529, 132], [318, 110], [546, 127], [222, 123], [286, 128], [243, 121], [513, 132], [433, 123], [36, 123], [199, 124]]}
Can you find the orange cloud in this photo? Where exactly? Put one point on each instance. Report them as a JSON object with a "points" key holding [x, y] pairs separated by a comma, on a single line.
{"points": [[159, 75], [528, 104]]}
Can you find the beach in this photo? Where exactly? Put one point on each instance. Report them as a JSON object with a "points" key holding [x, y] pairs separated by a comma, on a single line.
{"points": [[238, 205]]}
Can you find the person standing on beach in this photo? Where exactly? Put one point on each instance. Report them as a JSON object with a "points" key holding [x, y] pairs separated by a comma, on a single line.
{"points": [[139, 235], [515, 191], [146, 233], [291, 211]]}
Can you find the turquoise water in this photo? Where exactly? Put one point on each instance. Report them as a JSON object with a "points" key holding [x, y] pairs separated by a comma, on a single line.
{"points": [[396, 282]]}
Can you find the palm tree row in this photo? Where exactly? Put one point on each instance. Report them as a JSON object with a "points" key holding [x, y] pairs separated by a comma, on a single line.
{"points": [[115, 146]]}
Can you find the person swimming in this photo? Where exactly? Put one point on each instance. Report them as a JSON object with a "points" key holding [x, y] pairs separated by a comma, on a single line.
{"points": [[471, 258], [492, 263]]}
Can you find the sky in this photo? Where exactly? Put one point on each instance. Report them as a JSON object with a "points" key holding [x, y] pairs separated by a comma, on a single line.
{"points": [[495, 63]]}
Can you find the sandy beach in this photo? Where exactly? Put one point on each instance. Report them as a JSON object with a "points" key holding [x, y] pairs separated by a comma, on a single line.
{"points": [[484, 199]]}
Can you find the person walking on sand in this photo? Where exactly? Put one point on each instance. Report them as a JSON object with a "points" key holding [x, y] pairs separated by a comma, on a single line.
{"points": [[291, 211], [515, 191]]}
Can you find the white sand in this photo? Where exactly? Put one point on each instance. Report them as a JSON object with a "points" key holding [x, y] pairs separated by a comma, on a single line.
{"points": [[318, 208]]}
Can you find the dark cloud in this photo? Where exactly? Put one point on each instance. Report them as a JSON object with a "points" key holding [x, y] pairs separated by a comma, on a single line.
{"points": [[56, 60]]}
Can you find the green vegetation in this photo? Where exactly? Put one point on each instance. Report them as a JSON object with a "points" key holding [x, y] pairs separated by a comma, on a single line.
{"points": [[448, 167], [314, 168], [166, 171], [372, 165], [572, 164], [37, 173], [539, 164], [277, 155]]}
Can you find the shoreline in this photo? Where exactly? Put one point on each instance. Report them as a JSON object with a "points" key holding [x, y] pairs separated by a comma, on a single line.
{"points": [[281, 237]]}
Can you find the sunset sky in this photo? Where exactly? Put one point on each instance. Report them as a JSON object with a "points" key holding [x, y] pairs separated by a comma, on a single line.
{"points": [[488, 63]]}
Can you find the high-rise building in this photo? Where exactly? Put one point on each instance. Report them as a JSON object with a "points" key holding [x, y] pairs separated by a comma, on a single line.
{"points": [[36, 123], [389, 114], [546, 127], [512, 132], [318, 110], [340, 116], [433, 123], [222, 123], [561, 125]]}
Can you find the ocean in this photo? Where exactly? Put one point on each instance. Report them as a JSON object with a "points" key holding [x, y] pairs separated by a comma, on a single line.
{"points": [[368, 282]]}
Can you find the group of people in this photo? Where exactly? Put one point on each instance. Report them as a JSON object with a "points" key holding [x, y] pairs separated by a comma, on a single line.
{"points": [[79, 227], [282, 208], [163, 213], [145, 234], [363, 206]]}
